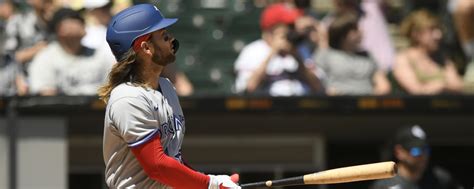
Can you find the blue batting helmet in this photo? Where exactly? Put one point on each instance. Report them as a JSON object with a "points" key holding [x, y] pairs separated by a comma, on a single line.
{"points": [[133, 22]]}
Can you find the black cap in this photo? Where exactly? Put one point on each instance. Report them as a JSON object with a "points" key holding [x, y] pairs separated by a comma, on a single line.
{"points": [[412, 138]]}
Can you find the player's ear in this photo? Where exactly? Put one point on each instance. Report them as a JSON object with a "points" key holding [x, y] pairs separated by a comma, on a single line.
{"points": [[147, 48]]}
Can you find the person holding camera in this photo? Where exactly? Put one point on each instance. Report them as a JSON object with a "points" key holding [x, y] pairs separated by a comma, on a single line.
{"points": [[269, 66]]}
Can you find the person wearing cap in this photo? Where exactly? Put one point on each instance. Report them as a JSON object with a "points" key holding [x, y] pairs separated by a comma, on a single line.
{"points": [[65, 66], [144, 124], [268, 66], [98, 14], [411, 151]]}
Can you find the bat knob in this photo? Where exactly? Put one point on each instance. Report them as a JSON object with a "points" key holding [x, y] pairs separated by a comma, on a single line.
{"points": [[269, 183]]}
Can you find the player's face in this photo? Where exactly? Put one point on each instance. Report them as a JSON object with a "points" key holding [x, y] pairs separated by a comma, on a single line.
{"points": [[417, 163], [165, 47]]}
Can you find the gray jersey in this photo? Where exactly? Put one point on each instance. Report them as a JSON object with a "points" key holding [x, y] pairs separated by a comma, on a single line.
{"points": [[134, 115]]}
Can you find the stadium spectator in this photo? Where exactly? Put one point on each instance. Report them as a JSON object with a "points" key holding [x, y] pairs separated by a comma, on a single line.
{"points": [[8, 69], [447, 12], [27, 34], [119, 5], [98, 15], [463, 15], [6, 11], [305, 36], [181, 82], [422, 69], [348, 70], [469, 78], [65, 66], [267, 66], [376, 39], [411, 151], [434, 6]]}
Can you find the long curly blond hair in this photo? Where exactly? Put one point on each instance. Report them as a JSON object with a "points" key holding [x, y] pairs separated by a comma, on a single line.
{"points": [[126, 70]]}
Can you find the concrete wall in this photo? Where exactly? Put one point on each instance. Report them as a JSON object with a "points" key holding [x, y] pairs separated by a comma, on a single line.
{"points": [[42, 153], [3, 154]]}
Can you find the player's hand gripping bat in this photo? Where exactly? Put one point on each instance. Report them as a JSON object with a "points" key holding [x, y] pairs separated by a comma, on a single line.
{"points": [[341, 175]]}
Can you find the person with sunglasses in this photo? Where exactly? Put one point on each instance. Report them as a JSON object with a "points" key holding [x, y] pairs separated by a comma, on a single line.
{"points": [[411, 151]]}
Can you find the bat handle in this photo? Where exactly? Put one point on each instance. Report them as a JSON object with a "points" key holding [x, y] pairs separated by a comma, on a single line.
{"points": [[254, 185], [281, 182]]}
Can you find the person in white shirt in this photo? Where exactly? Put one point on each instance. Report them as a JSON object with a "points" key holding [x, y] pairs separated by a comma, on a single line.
{"points": [[267, 66], [65, 66]]}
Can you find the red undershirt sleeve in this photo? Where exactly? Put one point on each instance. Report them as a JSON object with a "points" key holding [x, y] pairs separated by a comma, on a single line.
{"points": [[167, 170]]}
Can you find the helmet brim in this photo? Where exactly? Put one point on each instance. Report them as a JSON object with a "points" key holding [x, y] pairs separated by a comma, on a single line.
{"points": [[166, 22]]}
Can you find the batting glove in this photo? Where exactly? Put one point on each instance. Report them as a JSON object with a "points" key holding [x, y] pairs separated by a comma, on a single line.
{"points": [[222, 182]]}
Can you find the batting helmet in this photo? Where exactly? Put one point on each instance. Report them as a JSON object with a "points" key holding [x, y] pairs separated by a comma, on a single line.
{"points": [[133, 22]]}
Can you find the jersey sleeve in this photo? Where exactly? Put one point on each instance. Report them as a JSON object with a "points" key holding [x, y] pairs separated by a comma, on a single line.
{"points": [[167, 170], [133, 119]]}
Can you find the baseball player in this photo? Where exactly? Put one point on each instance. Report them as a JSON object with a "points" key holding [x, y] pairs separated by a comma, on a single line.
{"points": [[144, 124]]}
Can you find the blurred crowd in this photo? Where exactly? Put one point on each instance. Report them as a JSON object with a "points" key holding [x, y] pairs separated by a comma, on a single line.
{"points": [[58, 47], [350, 50], [54, 47]]}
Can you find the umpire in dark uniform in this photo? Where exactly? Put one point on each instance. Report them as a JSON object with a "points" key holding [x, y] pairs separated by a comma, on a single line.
{"points": [[411, 150]]}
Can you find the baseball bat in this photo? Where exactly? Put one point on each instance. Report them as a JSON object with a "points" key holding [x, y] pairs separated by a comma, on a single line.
{"points": [[340, 175]]}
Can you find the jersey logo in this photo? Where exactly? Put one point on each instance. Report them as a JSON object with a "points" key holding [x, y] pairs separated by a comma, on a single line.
{"points": [[155, 107], [177, 123], [173, 125], [167, 128]]}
